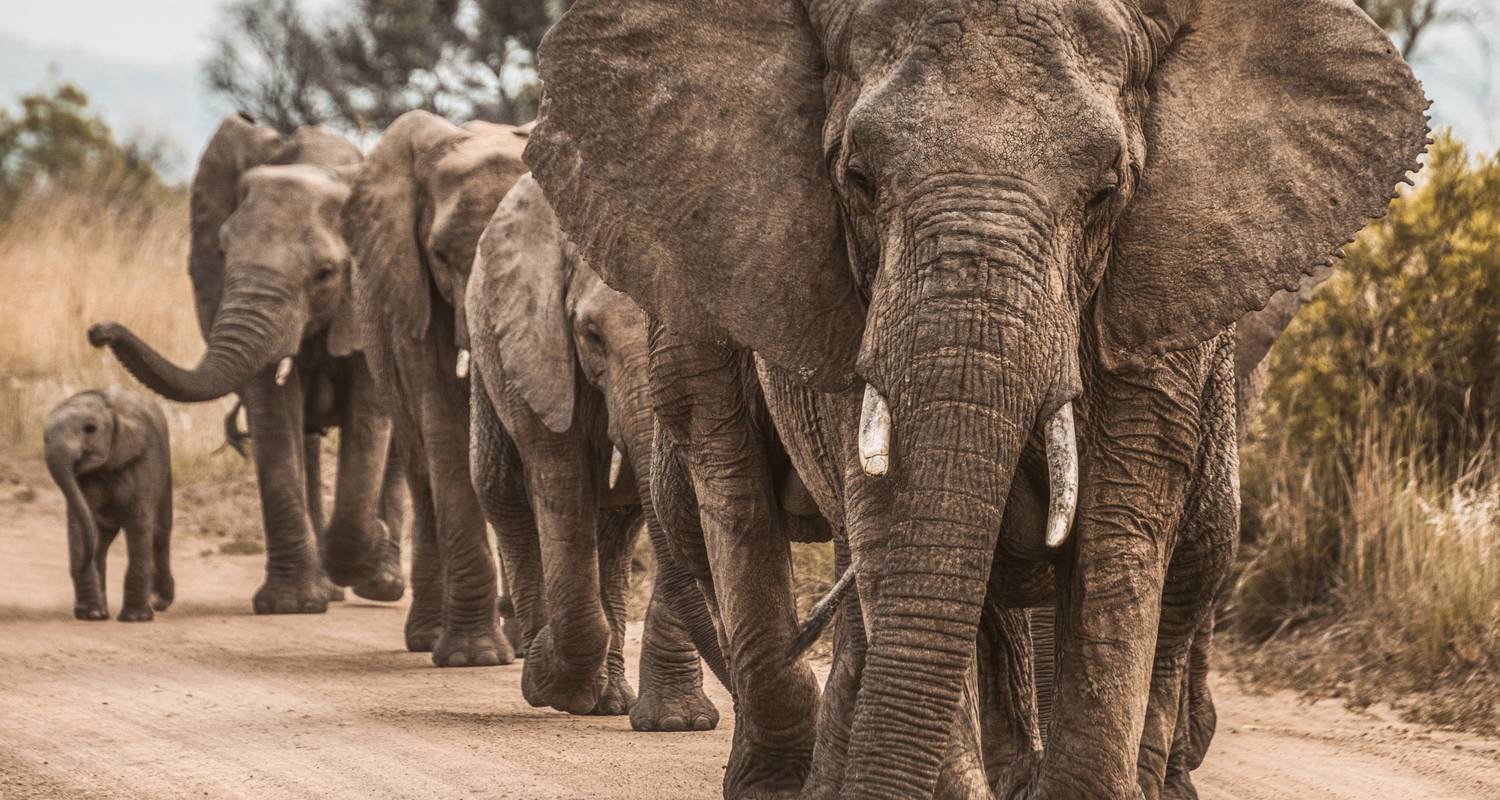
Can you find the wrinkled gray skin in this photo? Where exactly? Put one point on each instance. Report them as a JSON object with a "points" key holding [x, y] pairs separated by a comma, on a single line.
{"points": [[110, 454], [413, 219], [558, 384], [983, 212], [270, 281]]}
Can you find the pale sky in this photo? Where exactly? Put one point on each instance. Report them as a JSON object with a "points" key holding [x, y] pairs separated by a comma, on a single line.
{"points": [[1460, 69]]}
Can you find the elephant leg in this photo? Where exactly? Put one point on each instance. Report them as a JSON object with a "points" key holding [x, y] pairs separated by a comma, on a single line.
{"points": [[164, 587], [88, 553], [357, 549], [566, 660], [671, 697], [836, 714], [140, 568], [496, 469], [395, 503], [294, 578], [618, 529], [1199, 568], [1110, 584], [1196, 721], [707, 399], [312, 463], [1009, 720], [424, 619]]}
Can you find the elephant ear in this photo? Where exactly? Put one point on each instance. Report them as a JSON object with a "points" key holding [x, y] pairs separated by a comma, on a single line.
{"points": [[237, 146], [1276, 130], [680, 143], [516, 303], [132, 416], [382, 223]]}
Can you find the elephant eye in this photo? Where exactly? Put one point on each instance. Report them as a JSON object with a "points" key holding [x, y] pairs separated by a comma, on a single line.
{"points": [[860, 181], [591, 332], [1106, 191], [324, 273], [90, 428]]}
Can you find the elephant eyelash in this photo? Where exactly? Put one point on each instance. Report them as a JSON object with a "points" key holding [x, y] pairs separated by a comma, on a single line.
{"points": [[860, 181]]}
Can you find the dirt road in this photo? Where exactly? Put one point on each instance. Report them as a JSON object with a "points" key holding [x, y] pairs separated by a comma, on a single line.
{"points": [[211, 701]]}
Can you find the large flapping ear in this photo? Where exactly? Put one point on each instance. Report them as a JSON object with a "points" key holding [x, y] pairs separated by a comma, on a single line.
{"points": [[382, 220], [237, 146], [1276, 130], [516, 303], [680, 144]]}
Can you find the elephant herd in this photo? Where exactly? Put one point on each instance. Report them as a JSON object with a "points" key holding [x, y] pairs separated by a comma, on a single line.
{"points": [[977, 291]]}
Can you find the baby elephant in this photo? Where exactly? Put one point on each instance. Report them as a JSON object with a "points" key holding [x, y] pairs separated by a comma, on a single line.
{"points": [[109, 453]]}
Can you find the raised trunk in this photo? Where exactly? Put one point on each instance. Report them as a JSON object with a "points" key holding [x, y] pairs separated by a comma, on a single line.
{"points": [[257, 323], [964, 399]]}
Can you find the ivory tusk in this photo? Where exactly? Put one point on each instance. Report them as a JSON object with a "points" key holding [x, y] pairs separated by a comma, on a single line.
{"points": [[874, 434], [616, 460], [462, 368], [283, 371], [1062, 475]]}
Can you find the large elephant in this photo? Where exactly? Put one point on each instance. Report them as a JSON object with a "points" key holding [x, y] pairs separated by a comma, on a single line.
{"points": [[110, 453], [270, 281], [413, 219], [991, 256], [562, 435]]}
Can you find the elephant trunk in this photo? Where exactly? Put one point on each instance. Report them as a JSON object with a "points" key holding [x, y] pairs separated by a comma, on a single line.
{"points": [[963, 401], [83, 534], [635, 425], [258, 322]]}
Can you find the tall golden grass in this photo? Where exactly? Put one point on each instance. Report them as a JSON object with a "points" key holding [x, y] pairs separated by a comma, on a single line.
{"points": [[68, 259]]}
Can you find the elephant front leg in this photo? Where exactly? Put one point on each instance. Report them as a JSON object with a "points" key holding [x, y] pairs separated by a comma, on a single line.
{"points": [[140, 569], [703, 396], [672, 697], [294, 578], [312, 467], [617, 534], [836, 712], [424, 619], [357, 548], [88, 553]]}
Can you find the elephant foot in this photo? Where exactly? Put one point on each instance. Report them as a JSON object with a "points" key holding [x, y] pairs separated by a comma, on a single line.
{"points": [[291, 596], [1017, 777], [764, 773], [618, 698], [423, 628], [387, 586], [546, 681], [332, 592], [132, 614], [688, 709], [1179, 786], [160, 602], [358, 559], [90, 613], [510, 627], [483, 650]]}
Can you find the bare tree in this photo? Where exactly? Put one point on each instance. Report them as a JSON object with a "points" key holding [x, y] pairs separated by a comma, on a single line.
{"points": [[270, 61], [1409, 20]]}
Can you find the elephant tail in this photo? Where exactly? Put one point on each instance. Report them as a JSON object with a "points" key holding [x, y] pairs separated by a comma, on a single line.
{"points": [[822, 613]]}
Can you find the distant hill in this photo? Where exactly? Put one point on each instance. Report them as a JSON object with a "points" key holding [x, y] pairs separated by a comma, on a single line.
{"points": [[137, 100]]}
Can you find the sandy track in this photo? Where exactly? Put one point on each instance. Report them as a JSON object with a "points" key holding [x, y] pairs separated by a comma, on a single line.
{"points": [[212, 701]]}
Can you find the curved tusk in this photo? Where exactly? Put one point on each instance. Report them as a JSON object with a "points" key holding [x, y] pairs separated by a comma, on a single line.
{"points": [[283, 371], [616, 460], [1062, 475], [461, 369], [874, 434]]}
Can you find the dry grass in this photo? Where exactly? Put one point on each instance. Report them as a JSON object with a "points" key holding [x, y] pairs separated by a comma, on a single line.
{"points": [[67, 261], [1387, 588]]}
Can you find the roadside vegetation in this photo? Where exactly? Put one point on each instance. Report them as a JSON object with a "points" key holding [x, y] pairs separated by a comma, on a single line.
{"points": [[1371, 566]]}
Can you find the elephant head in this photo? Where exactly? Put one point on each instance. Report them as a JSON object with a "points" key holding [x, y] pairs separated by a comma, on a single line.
{"points": [[417, 209], [956, 203], [268, 264]]}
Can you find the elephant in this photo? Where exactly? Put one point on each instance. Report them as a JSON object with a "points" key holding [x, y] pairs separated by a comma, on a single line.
{"points": [[988, 258], [561, 442], [270, 274], [415, 212], [110, 453]]}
